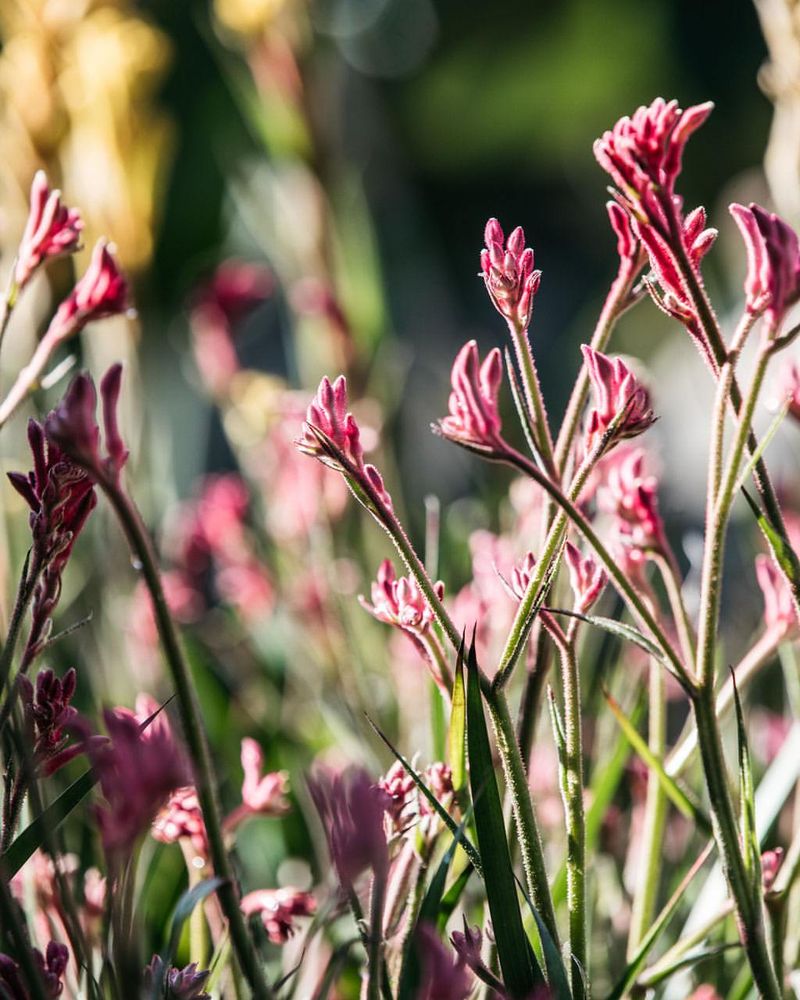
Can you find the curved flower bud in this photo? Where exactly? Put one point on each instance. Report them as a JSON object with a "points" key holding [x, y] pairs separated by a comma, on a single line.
{"points": [[771, 862], [400, 602], [627, 238], [643, 155], [588, 578], [508, 273], [52, 966], [52, 230], [779, 612], [521, 575], [474, 418], [622, 404], [101, 292], [772, 282], [444, 975], [278, 909], [400, 790]]}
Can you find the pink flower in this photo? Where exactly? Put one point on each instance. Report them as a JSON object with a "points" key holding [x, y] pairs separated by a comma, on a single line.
{"points": [[444, 975], [278, 909], [622, 404], [262, 794], [137, 770], [400, 602], [176, 984], [788, 387], [351, 808], [588, 578], [779, 611], [101, 292], [48, 713], [643, 155], [400, 789], [507, 269], [52, 230], [631, 495], [72, 425], [771, 862], [52, 966], [328, 413], [772, 282], [182, 819], [522, 574], [474, 418], [246, 587]]}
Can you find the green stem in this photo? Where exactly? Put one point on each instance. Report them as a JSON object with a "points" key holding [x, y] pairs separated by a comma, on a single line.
{"points": [[672, 584], [748, 909], [655, 814], [375, 948], [194, 733], [27, 584], [533, 394]]}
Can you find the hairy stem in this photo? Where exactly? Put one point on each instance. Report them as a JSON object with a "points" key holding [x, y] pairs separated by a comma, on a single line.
{"points": [[533, 394]]}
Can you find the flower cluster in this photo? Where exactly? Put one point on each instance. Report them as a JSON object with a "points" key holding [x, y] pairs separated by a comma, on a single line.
{"points": [[772, 283], [52, 966], [630, 494], [187, 983], [621, 403], [509, 275], [102, 291], [52, 230], [49, 714], [474, 418]]}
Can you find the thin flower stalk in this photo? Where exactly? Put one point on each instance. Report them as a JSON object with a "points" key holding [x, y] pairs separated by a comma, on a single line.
{"points": [[670, 575]]}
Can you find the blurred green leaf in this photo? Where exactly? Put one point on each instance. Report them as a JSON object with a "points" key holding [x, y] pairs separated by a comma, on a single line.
{"points": [[747, 803]]}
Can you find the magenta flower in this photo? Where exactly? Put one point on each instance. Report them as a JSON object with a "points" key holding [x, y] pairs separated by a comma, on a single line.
{"points": [[400, 602], [772, 282], [339, 447], [631, 495], [474, 418], [351, 807], [643, 156], [587, 578], [72, 426], [137, 770], [278, 909], [235, 289], [262, 794], [101, 292], [622, 404], [48, 715], [181, 819], [508, 273], [52, 966], [521, 575], [444, 975], [779, 612], [771, 862], [187, 983], [400, 789], [52, 230]]}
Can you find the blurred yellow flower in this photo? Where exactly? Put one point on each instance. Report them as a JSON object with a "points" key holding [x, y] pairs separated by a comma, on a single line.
{"points": [[247, 17]]}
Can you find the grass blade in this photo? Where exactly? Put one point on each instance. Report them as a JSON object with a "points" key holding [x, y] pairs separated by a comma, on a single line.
{"points": [[747, 804]]}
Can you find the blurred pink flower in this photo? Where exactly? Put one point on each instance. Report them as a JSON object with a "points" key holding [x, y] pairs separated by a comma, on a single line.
{"points": [[182, 819], [400, 789], [246, 587], [445, 975], [52, 230], [772, 282], [101, 292], [508, 273], [278, 909], [236, 288], [262, 794], [587, 577], [52, 966], [771, 862], [779, 612], [399, 601], [621, 401], [630, 494], [788, 386], [184, 600], [351, 807], [175, 984], [474, 418]]}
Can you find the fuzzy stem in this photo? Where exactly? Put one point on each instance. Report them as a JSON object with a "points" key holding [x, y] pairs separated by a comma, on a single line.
{"points": [[375, 948], [533, 394], [27, 583], [8, 302], [27, 379], [194, 732], [670, 574], [9, 920]]}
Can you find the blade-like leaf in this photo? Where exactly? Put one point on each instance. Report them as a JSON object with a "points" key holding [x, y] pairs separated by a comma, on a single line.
{"points": [[755, 457], [679, 798], [513, 948], [779, 544], [747, 804], [619, 629], [457, 735], [557, 980]]}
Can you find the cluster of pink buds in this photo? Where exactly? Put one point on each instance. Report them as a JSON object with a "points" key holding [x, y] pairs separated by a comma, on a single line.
{"points": [[445, 975], [137, 769], [587, 578], [400, 602], [52, 230], [51, 966], [48, 715], [780, 616], [509, 275], [102, 291], [621, 403], [187, 983], [278, 909], [351, 807], [406, 806], [643, 156], [474, 418], [772, 283], [181, 821], [72, 426], [630, 494], [331, 434]]}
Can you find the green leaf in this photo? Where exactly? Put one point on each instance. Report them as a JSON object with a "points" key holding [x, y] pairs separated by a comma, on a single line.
{"points": [[457, 734], [513, 948], [680, 799], [442, 813], [619, 629], [747, 803], [557, 979], [779, 544]]}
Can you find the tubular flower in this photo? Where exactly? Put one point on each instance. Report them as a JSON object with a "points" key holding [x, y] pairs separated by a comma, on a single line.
{"points": [[631, 495], [643, 156], [342, 451], [52, 230], [772, 282], [508, 273], [182, 819], [72, 426], [474, 418], [278, 909], [101, 292], [445, 976], [187, 983], [400, 789], [779, 612], [400, 602], [262, 794], [628, 247], [351, 808], [587, 578], [622, 404], [52, 966], [137, 770], [48, 714]]}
